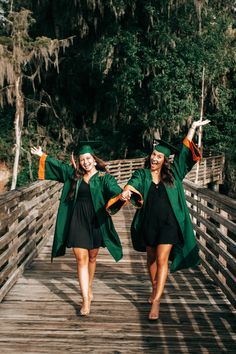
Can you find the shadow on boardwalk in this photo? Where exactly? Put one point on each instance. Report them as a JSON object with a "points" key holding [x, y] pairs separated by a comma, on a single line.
{"points": [[40, 314]]}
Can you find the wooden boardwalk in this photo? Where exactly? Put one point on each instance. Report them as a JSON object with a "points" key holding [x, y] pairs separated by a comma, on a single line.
{"points": [[41, 312]]}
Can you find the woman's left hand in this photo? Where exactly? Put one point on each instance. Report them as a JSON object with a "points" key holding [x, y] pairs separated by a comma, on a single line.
{"points": [[200, 123]]}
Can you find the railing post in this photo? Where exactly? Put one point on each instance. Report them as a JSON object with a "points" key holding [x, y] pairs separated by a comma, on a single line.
{"points": [[224, 231], [195, 207], [202, 227], [205, 172]]}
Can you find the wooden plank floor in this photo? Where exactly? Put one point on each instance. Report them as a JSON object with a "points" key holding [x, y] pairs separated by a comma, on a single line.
{"points": [[41, 312]]}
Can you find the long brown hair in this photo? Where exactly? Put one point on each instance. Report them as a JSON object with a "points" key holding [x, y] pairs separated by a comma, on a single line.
{"points": [[80, 172], [167, 176]]}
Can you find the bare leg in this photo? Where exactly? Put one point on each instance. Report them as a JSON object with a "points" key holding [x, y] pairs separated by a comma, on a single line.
{"points": [[82, 257], [92, 267], [162, 257], [152, 269]]}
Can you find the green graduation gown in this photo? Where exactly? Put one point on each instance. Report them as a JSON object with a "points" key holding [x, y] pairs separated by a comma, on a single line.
{"points": [[103, 187], [185, 254]]}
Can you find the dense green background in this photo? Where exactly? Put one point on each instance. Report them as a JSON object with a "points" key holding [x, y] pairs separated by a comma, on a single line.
{"points": [[134, 67]]}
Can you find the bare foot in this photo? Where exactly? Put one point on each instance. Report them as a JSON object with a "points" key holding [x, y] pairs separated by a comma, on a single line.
{"points": [[154, 313], [85, 308]]}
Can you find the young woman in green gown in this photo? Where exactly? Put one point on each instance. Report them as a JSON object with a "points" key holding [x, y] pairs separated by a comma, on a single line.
{"points": [[161, 226], [82, 221]]}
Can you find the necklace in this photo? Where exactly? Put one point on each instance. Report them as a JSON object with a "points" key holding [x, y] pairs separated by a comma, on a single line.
{"points": [[156, 178], [157, 184]]}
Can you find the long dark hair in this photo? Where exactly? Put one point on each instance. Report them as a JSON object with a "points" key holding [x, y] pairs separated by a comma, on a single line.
{"points": [[167, 176], [80, 172]]}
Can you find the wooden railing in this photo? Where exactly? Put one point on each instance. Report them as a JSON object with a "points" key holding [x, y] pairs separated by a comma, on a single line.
{"points": [[27, 216], [210, 169], [214, 220], [122, 169]]}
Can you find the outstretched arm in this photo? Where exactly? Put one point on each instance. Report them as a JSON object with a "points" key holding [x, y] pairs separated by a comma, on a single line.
{"points": [[190, 153], [129, 193], [133, 191], [50, 168]]}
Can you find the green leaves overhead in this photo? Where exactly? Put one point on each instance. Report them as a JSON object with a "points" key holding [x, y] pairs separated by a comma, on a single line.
{"points": [[136, 66]]}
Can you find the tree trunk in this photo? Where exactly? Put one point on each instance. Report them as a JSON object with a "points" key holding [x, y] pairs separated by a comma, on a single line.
{"points": [[200, 129], [19, 118]]}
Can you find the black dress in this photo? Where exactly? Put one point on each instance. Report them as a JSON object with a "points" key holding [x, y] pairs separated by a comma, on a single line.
{"points": [[84, 229], [160, 225]]}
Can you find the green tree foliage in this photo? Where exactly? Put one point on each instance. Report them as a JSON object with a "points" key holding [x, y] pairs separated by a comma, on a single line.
{"points": [[18, 53], [135, 71]]}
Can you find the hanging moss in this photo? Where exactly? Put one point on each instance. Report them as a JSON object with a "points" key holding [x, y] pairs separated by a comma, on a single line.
{"points": [[135, 69]]}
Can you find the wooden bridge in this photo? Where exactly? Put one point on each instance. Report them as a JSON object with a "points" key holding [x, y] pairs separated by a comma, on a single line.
{"points": [[40, 313]]}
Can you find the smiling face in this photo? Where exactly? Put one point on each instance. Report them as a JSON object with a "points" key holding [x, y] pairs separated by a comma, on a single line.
{"points": [[156, 160], [87, 162]]}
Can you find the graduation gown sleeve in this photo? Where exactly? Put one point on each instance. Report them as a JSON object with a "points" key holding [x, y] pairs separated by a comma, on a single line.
{"points": [[104, 187], [53, 169], [186, 159], [137, 186], [115, 204]]}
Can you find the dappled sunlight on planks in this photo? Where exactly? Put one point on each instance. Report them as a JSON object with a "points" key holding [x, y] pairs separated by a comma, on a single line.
{"points": [[40, 314]]}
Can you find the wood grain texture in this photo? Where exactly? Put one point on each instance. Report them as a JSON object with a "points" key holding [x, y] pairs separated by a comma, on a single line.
{"points": [[40, 314], [214, 220], [27, 216]]}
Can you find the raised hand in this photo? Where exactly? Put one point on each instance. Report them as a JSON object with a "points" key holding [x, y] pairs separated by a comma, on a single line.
{"points": [[197, 124], [36, 151], [200, 123]]}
